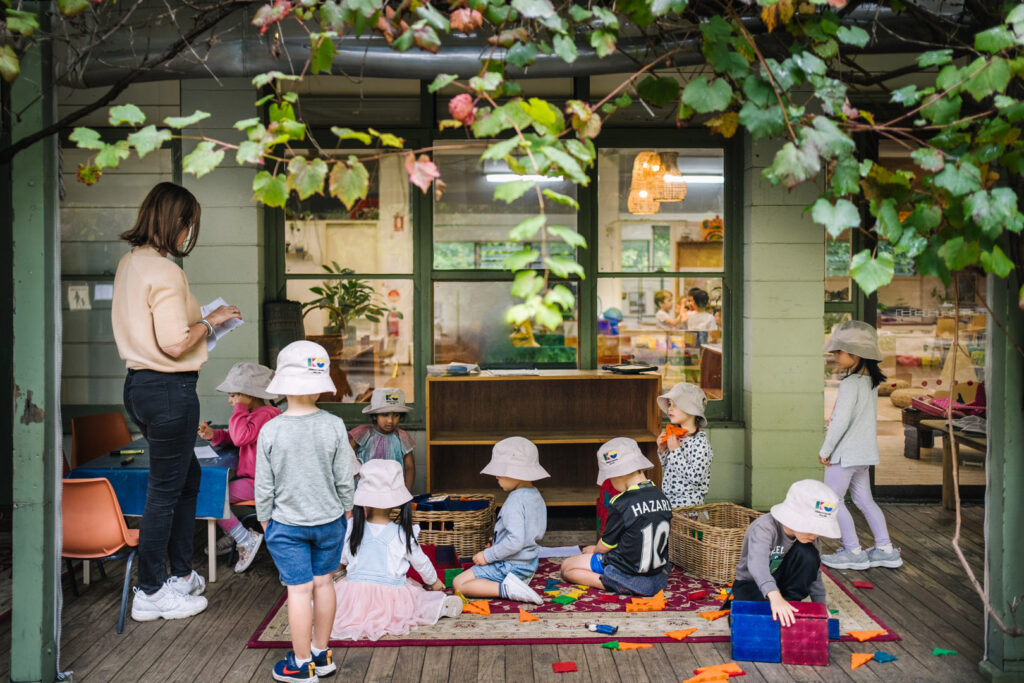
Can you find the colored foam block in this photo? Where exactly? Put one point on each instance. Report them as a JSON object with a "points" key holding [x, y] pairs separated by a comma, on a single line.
{"points": [[806, 641], [605, 597], [583, 587], [553, 592], [755, 635], [833, 629], [680, 635], [526, 616], [861, 636], [696, 595], [634, 646], [708, 677], [714, 614], [731, 668], [884, 657], [481, 607], [563, 667], [574, 593], [563, 599], [611, 645], [941, 652], [863, 584], [449, 576], [860, 659]]}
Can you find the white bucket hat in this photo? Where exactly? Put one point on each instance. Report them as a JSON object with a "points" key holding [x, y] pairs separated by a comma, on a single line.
{"points": [[618, 457], [856, 338], [515, 458], [688, 398], [381, 485], [810, 507], [250, 379], [303, 369], [386, 400]]}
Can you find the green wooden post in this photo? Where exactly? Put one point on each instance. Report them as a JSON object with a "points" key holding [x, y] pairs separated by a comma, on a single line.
{"points": [[1004, 518], [33, 245]]}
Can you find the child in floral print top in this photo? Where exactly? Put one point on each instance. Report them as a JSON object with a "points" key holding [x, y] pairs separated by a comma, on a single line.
{"points": [[686, 459]]}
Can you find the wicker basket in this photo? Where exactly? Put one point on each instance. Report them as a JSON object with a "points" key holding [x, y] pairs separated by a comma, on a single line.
{"points": [[466, 530], [707, 540]]}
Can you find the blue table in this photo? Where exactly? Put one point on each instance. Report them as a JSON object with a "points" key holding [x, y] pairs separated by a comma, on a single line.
{"points": [[131, 480]]}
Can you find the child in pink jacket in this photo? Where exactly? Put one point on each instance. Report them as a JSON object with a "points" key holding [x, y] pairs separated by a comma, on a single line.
{"points": [[246, 387]]}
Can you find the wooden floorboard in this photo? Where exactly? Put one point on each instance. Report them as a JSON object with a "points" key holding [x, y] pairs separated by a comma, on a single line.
{"points": [[928, 602]]}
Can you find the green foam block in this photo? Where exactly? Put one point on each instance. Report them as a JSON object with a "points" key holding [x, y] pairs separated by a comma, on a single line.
{"points": [[564, 599], [611, 645], [450, 574]]}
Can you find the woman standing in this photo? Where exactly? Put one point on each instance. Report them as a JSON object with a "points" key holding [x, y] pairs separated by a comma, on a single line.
{"points": [[161, 337]]}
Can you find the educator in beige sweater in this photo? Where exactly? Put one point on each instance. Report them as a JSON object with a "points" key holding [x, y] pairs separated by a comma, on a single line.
{"points": [[161, 336]]}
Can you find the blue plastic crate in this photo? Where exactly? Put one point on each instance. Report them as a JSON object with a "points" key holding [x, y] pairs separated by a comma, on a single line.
{"points": [[755, 636]]}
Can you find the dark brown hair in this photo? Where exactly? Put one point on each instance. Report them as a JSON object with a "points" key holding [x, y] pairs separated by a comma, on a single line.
{"points": [[165, 212]]}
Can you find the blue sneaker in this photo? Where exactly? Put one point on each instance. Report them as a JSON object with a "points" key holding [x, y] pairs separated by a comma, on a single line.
{"points": [[288, 671], [324, 663]]}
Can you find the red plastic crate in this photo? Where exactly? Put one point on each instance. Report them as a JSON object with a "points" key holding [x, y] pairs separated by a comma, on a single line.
{"points": [[806, 641]]}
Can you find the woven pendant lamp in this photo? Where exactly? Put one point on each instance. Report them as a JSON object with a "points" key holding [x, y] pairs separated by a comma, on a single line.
{"points": [[641, 203], [647, 168], [670, 186]]}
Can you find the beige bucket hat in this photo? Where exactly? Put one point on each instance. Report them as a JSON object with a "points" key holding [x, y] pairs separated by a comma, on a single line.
{"points": [[688, 398], [618, 457], [386, 400], [810, 507], [250, 379], [381, 485], [516, 458], [856, 338], [303, 369]]}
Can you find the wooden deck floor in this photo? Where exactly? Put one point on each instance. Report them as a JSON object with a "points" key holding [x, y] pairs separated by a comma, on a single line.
{"points": [[928, 602]]}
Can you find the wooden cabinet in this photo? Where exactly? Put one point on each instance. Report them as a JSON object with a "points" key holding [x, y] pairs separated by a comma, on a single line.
{"points": [[568, 414]]}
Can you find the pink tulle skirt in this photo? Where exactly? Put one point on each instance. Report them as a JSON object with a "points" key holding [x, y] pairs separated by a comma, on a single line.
{"points": [[371, 610]]}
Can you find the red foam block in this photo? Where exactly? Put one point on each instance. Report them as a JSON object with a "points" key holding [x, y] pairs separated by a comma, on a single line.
{"points": [[604, 597], [563, 667], [696, 595], [806, 641], [863, 584]]}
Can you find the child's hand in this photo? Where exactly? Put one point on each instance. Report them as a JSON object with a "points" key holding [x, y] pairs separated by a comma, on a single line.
{"points": [[438, 585], [479, 560], [824, 461], [205, 431], [672, 442], [590, 549], [782, 611]]}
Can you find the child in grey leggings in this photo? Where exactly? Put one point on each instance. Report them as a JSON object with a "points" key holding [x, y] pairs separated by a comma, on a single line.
{"points": [[851, 446]]}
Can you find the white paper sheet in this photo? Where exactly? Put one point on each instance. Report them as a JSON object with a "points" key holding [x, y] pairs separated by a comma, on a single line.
{"points": [[560, 551], [205, 453], [218, 330]]}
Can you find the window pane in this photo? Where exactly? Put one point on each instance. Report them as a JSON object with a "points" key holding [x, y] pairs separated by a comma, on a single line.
{"points": [[470, 327], [684, 230], [837, 268], [468, 214], [374, 236], [367, 354], [642, 321]]}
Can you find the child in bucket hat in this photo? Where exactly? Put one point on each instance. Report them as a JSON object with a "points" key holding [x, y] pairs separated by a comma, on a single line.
{"points": [[375, 598], [382, 439], [851, 445], [683, 446], [246, 387], [504, 567], [305, 471], [632, 555], [779, 561]]}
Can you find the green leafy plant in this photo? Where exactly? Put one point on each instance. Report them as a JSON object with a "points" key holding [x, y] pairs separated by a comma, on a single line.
{"points": [[345, 299]]}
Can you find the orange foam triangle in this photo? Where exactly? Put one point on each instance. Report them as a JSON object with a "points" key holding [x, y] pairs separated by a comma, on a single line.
{"points": [[679, 635], [634, 646], [708, 677], [861, 636], [730, 668], [481, 607], [711, 616], [526, 616], [860, 659]]}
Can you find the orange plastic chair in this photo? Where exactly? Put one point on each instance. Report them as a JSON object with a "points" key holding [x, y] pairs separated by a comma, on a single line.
{"points": [[96, 435], [94, 529]]}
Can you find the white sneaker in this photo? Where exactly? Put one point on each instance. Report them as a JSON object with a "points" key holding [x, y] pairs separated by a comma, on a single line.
{"points": [[451, 607], [166, 603], [847, 559], [225, 544], [247, 551], [193, 584], [516, 589]]}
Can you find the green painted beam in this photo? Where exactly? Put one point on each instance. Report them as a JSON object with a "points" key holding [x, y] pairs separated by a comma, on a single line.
{"points": [[34, 251]]}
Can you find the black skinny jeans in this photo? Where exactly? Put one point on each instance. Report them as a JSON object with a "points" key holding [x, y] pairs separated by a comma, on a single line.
{"points": [[799, 569], [166, 408]]}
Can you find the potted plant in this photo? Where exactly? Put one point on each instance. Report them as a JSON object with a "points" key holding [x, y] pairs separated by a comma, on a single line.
{"points": [[345, 300]]}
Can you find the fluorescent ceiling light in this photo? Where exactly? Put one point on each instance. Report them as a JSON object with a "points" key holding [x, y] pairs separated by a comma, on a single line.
{"points": [[699, 179], [509, 177]]}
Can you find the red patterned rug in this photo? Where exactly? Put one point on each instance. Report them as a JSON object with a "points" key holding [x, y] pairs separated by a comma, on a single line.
{"points": [[567, 623]]}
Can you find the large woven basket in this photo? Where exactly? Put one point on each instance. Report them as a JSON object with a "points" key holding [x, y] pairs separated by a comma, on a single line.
{"points": [[466, 530], [707, 540]]}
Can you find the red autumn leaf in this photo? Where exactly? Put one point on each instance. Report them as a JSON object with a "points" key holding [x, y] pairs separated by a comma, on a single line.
{"points": [[421, 171], [267, 15], [88, 174], [461, 108]]}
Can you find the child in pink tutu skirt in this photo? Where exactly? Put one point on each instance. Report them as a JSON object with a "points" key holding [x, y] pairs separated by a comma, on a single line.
{"points": [[376, 598]]}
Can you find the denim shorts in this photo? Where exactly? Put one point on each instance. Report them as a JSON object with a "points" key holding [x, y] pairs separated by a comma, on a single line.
{"points": [[617, 581], [302, 552], [497, 571]]}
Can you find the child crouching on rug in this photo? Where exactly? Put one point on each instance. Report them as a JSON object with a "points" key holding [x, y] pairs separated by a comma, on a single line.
{"points": [[780, 562], [632, 555], [376, 598], [504, 567]]}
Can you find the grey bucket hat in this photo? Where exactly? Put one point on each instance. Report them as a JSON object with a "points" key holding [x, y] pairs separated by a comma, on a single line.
{"points": [[688, 398], [250, 379], [386, 400], [855, 337]]}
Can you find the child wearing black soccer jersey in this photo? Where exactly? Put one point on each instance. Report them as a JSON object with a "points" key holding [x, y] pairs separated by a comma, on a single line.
{"points": [[632, 555]]}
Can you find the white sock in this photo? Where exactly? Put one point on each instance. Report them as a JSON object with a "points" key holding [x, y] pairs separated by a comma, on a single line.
{"points": [[886, 548], [302, 662], [239, 533], [315, 650]]}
